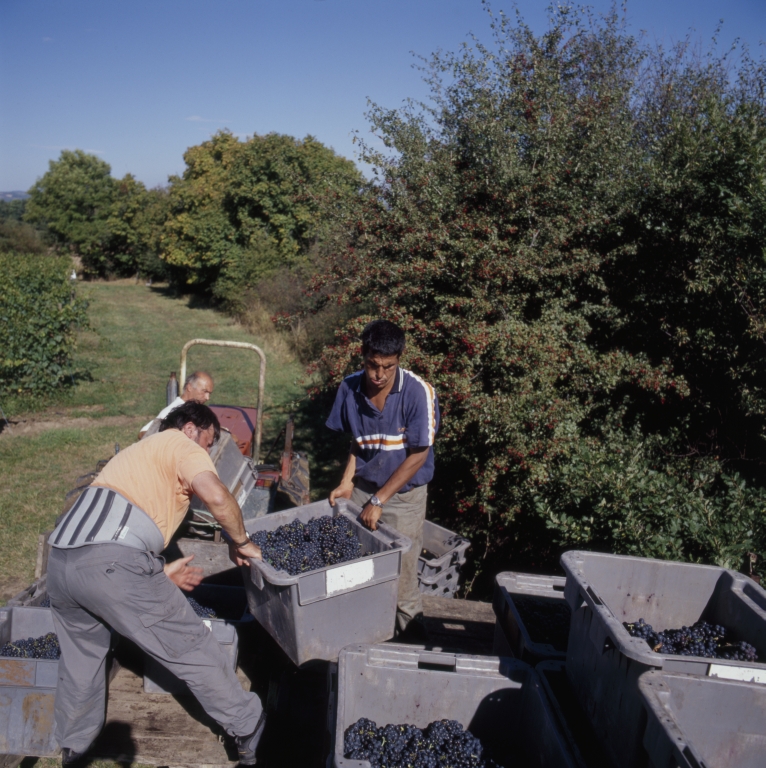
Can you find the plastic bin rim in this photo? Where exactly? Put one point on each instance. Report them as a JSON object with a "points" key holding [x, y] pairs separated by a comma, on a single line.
{"points": [[635, 648], [396, 541], [508, 575], [572, 555], [505, 664]]}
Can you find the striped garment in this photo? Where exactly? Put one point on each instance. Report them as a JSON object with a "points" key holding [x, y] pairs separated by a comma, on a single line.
{"points": [[410, 418]]}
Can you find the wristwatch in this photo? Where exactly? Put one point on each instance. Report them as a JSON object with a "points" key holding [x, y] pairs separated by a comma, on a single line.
{"points": [[375, 501], [241, 544]]}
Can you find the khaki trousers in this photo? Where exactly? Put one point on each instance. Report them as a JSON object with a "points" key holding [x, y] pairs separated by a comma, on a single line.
{"points": [[405, 512]]}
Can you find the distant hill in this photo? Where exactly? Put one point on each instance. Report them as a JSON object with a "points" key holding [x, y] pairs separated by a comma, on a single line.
{"points": [[16, 195]]}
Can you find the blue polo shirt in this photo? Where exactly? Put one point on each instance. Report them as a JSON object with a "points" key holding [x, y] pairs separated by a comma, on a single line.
{"points": [[410, 418]]}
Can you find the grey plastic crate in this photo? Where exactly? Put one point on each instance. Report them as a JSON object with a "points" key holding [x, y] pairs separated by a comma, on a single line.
{"points": [[27, 687], [444, 584], [211, 556], [703, 722], [572, 720], [500, 701], [604, 662], [447, 591], [527, 642], [446, 549], [230, 603], [315, 614]]}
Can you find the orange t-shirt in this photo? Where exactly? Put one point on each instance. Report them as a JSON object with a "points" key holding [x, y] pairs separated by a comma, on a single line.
{"points": [[156, 475]]}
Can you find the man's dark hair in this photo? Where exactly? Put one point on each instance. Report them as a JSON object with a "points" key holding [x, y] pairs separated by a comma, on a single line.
{"points": [[382, 337], [196, 413]]}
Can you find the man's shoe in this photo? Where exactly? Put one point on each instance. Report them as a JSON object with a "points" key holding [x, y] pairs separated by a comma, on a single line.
{"points": [[246, 745], [70, 757]]}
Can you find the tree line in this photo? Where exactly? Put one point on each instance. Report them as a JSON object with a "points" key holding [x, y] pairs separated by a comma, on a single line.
{"points": [[571, 230]]}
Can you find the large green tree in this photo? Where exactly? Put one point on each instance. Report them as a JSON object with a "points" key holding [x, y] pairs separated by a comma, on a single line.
{"points": [[571, 230], [72, 200], [135, 225], [245, 208]]}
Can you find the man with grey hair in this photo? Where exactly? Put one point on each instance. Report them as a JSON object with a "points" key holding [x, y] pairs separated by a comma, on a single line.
{"points": [[198, 387]]}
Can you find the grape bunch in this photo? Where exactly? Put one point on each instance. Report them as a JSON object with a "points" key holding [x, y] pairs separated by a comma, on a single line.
{"points": [[299, 547], [442, 744], [701, 639], [43, 647], [45, 602], [201, 610]]}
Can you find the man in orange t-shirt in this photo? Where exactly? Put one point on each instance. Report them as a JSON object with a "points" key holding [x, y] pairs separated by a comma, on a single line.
{"points": [[105, 572]]}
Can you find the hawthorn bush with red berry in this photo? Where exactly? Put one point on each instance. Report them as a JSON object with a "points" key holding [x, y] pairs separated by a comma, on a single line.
{"points": [[571, 232]]}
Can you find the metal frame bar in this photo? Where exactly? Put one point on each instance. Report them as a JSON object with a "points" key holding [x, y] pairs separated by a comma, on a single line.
{"points": [[256, 451]]}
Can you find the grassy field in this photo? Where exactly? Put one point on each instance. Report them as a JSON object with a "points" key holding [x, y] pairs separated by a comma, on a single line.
{"points": [[121, 369]]}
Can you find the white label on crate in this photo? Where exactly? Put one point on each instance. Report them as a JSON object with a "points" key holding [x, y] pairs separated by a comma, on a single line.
{"points": [[208, 624], [241, 496], [744, 674], [348, 576]]}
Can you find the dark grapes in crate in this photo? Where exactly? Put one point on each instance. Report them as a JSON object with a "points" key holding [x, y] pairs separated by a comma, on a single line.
{"points": [[547, 621], [201, 610], [44, 647], [300, 547], [442, 743], [701, 639]]}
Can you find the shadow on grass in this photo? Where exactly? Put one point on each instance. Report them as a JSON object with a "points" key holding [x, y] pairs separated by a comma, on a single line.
{"points": [[192, 299]]}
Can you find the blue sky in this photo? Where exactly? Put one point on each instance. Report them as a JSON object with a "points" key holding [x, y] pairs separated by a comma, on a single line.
{"points": [[139, 81]]}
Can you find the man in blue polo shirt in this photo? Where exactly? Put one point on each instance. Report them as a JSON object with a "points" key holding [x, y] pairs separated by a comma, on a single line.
{"points": [[393, 416]]}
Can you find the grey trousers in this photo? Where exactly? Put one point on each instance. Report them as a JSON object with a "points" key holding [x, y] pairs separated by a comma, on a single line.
{"points": [[94, 586], [406, 512]]}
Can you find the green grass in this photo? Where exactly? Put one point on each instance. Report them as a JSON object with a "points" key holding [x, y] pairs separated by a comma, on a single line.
{"points": [[121, 368]]}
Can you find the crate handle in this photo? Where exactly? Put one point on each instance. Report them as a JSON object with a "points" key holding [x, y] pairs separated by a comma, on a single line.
{"points": [[437, 663], [593, 596]]}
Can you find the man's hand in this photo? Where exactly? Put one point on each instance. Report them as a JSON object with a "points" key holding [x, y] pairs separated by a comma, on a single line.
{"points": [[243, 555], [370, 516], [343, 491], [182, 575]]}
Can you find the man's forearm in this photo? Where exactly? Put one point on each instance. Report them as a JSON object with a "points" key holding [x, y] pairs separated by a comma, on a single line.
{"points": [[229, 517], [222, 505], [350, 471], [416, 458]]}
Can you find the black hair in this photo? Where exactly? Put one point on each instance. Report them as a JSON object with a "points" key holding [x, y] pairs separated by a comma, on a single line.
{"points": [[382, 337], [196, 413]]}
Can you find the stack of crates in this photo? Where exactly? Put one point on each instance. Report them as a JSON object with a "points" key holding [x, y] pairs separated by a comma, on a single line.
{"points": [[439, 563]]}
